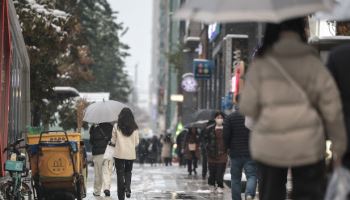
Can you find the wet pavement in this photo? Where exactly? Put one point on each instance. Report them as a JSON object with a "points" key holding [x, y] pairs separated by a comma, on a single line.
{"points": [[162, 183]]}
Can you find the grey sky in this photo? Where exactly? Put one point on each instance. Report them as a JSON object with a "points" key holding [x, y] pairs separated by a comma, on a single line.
{"points": [[137, 15]]}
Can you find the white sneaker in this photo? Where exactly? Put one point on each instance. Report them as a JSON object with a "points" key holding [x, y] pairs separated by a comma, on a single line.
{"points": [[220, 190], [212, 189], [249, 197]]}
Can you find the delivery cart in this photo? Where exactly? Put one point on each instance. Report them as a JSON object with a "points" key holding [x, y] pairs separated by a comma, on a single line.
{"points": [[58, 165]]}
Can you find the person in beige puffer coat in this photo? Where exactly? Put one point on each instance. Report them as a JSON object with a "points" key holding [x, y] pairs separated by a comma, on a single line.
{"points": [[286, 135]]}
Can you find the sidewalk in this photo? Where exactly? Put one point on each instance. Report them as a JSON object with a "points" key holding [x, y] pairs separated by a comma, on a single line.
{"points": [[163, 183]]}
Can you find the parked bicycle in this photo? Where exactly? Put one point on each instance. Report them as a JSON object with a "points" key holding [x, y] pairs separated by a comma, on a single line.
{"points": [[16, 188]]}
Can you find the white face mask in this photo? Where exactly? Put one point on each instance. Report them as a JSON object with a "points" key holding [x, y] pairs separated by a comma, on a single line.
{"points": [[219, 121]]}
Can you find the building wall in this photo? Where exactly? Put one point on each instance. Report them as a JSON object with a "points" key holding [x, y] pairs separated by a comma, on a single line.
{"points": [[158, 83], [220, 50]]}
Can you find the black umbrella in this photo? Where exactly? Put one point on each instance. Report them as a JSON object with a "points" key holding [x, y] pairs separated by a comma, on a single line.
{"points": [[198, 124], [204, 114]]}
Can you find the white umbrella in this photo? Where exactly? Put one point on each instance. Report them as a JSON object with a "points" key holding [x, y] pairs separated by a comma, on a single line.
{"points": [[340, 12], [105, 111], [209, 11]]}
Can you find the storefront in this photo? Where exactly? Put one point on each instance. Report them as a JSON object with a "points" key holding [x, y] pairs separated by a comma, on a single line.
{"points": [[220, 43]]}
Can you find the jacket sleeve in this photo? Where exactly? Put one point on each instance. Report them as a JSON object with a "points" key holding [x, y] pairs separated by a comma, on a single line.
{"points": [[114, 134], [91, 140], [227, 132], [249, 102], [330, 108]]}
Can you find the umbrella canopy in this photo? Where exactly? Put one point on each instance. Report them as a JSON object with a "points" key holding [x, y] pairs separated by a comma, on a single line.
{"points": [[209, 11], [204, 115], [105, 111], [340, 12], [198, 124]]}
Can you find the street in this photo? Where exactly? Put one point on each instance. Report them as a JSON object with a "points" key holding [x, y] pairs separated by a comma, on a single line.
{"points": [[162, 183]]}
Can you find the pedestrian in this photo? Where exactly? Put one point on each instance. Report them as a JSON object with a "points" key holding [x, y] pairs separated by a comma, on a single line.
{"points": [[217, 153], [159, 148], [236, 137], [100, 135], [294, 102], [153, 151], [338, 64], [125, 138], [142, 151], [191, 150], [180, 140], [167, 145], [203, 148]]}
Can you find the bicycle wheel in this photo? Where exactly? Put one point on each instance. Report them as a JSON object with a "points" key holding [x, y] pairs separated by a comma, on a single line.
{"points": [[6, 190], [26, 192], [7, 193]]}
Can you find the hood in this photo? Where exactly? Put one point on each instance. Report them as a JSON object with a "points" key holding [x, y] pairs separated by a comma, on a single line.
{"points": [[291, 45]]}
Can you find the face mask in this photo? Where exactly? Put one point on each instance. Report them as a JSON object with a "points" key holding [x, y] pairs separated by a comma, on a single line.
{"points": [[219, 121]]}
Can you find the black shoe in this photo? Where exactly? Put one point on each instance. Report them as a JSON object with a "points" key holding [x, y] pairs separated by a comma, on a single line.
{"points": [[107, 193], [195, 172], [127, 194], [96, 195]]}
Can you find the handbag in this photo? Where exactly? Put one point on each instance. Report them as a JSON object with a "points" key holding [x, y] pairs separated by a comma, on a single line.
{"points": [[192, 146], [109, 153]]}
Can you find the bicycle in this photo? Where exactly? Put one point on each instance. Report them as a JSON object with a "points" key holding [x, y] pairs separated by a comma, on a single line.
{"points": [[16, 188]]}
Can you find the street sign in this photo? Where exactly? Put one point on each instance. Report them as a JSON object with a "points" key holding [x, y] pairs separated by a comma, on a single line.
{"points": [[202, 68]]}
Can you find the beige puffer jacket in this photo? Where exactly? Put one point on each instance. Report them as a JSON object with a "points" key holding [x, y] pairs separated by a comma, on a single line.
{"points": [[285, 133]]}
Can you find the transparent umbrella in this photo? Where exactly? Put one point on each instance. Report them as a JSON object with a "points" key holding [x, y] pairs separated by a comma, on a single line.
{"points": [[340, 12], [209, 11], [105, 111]]}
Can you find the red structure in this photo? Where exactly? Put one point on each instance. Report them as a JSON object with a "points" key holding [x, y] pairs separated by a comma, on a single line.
{"points": [[5, 78]]}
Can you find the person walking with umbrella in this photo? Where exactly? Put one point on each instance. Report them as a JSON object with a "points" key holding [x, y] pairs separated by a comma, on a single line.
{"points": [[285, 95], [125, 137], [100, 135]]}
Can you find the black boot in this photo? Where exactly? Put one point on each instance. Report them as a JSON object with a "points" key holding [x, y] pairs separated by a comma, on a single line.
{"points": [[128, 184]]}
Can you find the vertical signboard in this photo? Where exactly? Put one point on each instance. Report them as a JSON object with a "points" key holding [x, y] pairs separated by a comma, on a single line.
{"points": [[202, 68]]}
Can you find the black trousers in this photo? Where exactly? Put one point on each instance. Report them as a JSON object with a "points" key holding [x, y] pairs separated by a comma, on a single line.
{"points": [[167, 161], [204, 164], [124, 168], [308, 182], [216, 174], [193, 161]]}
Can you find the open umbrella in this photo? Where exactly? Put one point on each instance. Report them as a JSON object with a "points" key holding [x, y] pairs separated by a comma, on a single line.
{"points": [[105, 111], [204, 115], [209, 11], [340, 12], [197, 124]]}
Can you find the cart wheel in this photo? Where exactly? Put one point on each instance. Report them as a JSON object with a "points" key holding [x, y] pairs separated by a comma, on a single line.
{"points": [[38, 192]]}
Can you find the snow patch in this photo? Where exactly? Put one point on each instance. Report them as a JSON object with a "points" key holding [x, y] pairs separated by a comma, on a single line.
{"points": [[97, 4], [46, 11], [202, 191]]}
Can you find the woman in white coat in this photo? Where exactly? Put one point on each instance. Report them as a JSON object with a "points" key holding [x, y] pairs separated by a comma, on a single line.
{"points": [[125, 137]]}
